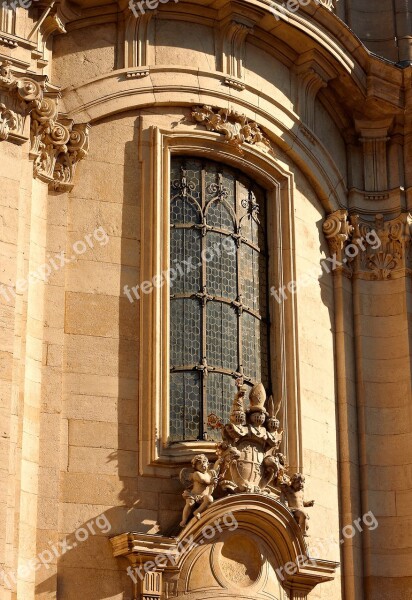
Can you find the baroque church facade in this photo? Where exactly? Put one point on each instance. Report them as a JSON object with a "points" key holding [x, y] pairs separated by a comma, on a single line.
{"points": [[205, 299]]}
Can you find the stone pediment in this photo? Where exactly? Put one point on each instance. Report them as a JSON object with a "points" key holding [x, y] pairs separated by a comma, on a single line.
{"points": [[243, 546]]}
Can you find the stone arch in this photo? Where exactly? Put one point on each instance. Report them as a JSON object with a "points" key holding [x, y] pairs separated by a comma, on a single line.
{"points": [[244, 546]]}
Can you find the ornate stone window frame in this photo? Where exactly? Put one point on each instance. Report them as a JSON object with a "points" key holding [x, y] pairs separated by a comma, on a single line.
{"points": [[156, 145]]}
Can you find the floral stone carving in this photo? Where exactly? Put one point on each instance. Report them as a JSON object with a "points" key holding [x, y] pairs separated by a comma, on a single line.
{"points": [[382, 246], [57, 145], [19, 95], [248, 460], [236, 127]]}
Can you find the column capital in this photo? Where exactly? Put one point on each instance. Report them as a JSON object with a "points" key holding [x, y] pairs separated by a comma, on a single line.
{"points": [[370, 247], [19, 96], [337, 230], [384, 246], [57, 145]]}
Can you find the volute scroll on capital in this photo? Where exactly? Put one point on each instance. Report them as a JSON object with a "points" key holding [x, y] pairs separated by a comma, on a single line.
{"points": [[373, 249], [19, 96], [57, 144]]}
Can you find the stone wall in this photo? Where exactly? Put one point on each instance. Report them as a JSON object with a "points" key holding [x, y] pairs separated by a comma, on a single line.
{"points": [[82, 368]]}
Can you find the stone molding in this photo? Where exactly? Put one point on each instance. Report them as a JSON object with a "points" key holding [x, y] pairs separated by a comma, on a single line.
{"points": [[19, 95], [313, 73], [275, 530], [236, 127], [52, 24], [8, 41], [233, 36], [7, 25], [57, 145], [374, 137], [388, 261], [137, 40]]}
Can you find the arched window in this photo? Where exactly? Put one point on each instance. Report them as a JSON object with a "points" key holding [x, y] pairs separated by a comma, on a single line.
{"points": [[218, 301]]}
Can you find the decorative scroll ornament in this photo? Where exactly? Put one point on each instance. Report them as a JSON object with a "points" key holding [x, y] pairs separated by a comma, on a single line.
{"points": [[373, 250], [387, 246], [337, 230], [9, 121], [248, 460], [57, 145], [236, 128], [19, 95], [327, 4]]}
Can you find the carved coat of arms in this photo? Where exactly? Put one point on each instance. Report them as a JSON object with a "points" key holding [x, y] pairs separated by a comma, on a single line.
{"points": [[249, 460]]}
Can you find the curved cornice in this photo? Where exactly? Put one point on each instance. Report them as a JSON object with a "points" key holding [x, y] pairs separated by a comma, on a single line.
{"points": [[312, 26], [181, 86], [272, 519], [259, 514]]}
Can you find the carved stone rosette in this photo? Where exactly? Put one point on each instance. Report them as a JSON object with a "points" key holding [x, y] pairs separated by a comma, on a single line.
{"points": [[370, 249], [57, 145], [236, 127], [18, 97]]}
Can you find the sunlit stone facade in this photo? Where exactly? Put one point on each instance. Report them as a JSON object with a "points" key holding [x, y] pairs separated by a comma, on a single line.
{"points": [[307, 108]]}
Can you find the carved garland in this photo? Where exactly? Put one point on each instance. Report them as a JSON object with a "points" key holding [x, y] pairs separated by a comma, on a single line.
{"points": [[387, 257], [236, 127]]}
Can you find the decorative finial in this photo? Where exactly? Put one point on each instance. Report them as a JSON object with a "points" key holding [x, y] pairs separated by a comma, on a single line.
{"points": [[238, 415], [272, 423]]}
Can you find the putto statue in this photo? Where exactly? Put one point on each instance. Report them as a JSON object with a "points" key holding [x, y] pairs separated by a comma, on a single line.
{"points": [[200, 483], [292, 496], [248, 460]]}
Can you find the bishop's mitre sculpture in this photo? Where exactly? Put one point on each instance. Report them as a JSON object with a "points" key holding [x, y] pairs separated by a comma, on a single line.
{"points": [[248, 461]]}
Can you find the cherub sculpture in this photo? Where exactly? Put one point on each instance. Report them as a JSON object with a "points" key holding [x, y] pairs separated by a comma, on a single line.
{"points": [[199, 482], [292, 495]]}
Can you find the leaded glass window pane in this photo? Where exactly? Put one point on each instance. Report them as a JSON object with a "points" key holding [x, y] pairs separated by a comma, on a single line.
{"points": [[218, 302]]}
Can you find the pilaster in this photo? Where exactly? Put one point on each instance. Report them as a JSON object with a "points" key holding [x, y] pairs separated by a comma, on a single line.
{"points": [[312, 74], [374, 137]]}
